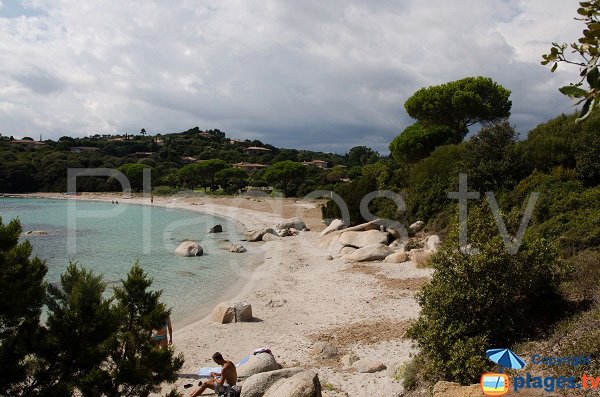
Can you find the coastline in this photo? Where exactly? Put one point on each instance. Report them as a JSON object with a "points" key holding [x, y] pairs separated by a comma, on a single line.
{"points": [[299, 297], [250, 259]]}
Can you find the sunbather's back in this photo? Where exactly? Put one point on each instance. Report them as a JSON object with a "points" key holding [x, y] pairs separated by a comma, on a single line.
{"points": [[229, 373]]}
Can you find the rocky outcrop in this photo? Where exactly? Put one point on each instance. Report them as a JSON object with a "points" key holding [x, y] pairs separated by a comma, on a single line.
{"points": [[375, 252], [270, 237], [450, 389], [363, 227], [324, 350], [396, 257], [293, 223], [216, 229], [363, 239], [347, 250], [396, 234], [417, 226], [419, 256], [189, 248], [369, 366], [257, 385], [257, 364], [432, 244], [257, 235], [237, 248], [397, 245], [304, 384], [227, 312], [336, 224]]}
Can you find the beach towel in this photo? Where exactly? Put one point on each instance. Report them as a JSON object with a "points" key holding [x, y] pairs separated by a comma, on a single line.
{"points": [[204, 372]]}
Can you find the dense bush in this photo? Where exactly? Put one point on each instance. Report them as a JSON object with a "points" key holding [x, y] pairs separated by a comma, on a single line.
{"points": [[483, 299], [90, 344]]}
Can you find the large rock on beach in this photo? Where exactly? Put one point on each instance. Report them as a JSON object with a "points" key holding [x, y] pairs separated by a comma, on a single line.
{"points": [[324, 350], [216, 229], [293, 223], [227, 312], [363, 239], [270, 237], [420, 256], [304, 384], [257, 385], [396, 257], [257, 235], [336, 224], [367, 366], [258, 363], [189, 248], [363, 227], [374, 252], [237, 248], [397, 233]]}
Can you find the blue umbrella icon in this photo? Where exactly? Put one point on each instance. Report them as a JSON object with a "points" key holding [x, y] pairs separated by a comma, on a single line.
{"points": [[505, 358]]}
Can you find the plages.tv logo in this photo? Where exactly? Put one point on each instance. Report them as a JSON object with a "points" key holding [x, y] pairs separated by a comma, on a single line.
{"points": [[497, 383]]}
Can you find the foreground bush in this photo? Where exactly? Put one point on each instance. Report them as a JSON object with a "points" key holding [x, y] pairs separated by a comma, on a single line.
{"points": [[483, 300], [90, 345]]}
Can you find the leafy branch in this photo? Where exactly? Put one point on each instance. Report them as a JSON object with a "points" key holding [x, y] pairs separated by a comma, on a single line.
{"points": [[587, 56]]}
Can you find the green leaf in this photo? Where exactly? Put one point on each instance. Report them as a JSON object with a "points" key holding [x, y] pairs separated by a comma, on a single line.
{"points": [[587, 109], [554, 67], [573, 92], [593, 78]]}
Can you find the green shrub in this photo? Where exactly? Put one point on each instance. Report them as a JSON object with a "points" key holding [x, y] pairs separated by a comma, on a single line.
{"points": [[164, 190], [489, 298], [584, 277]]}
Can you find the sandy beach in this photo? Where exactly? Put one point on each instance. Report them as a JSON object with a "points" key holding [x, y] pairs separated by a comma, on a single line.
{"points": [[299, 297]]}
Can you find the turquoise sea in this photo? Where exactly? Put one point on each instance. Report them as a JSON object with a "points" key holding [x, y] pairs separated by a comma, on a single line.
{"points": [[109, 238]]}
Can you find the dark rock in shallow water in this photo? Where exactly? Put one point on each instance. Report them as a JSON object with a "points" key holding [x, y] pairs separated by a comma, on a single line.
{"points": [[216, 229]]}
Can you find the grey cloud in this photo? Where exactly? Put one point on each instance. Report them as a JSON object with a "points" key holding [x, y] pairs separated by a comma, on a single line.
{"points": [[310, 74], [41, 82]]}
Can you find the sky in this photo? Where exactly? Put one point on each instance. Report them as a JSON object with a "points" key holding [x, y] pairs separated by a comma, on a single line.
{"points": [[305, 74]]}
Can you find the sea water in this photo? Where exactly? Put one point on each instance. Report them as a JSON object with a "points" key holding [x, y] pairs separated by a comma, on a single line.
{"points": [[109, 238]]}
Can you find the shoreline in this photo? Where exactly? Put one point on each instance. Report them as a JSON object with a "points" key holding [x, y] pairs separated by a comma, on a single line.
{"points": [[301, 296], [251, 260]]}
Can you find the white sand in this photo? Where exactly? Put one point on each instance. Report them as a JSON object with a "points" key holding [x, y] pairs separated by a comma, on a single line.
{"points": [[309, 296]]}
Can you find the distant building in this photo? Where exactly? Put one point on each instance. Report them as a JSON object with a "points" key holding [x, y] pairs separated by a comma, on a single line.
{"points": [[27, 142], [188, 160], [235, 141], [79, 149], [316, 163], [205, 134], [249, 167], [256, 150]]}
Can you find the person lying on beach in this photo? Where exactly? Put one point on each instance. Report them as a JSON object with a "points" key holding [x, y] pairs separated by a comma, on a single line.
{"points": [[159, 334], [219, 384]]}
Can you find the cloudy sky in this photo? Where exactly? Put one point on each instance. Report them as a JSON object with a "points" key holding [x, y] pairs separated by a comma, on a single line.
{"points": [[316, 74]]}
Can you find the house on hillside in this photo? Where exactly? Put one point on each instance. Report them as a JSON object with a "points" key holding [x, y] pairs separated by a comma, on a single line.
{"points": [[256, 150], [80, 149], [27, 142], [316, 163], [248, 167], [188, 160]]}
